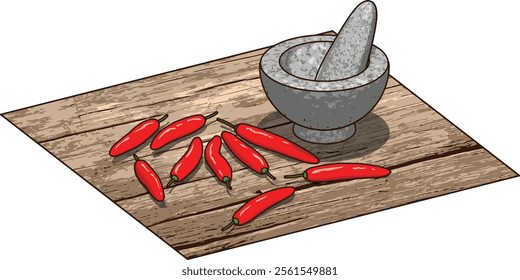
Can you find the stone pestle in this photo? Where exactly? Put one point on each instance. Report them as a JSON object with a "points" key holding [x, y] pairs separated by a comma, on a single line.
{"points": [[348, 55]]}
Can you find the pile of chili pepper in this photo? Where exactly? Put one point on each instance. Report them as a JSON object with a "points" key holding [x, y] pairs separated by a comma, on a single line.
{"points": [[271, 141], [238, 146], [145, 130]]}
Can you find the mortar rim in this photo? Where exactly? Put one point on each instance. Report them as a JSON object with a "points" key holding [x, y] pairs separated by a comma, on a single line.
{"points": [[275, 52], [301, 44]]}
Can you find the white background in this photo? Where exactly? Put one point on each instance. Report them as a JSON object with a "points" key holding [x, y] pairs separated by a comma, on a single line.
{"points": [[459, 56]]}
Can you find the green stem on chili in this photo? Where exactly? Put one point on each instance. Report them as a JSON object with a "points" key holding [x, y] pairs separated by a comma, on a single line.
{"points": [[211, 115], [266, 172], [228, 182], [304, 175], [173, 180], [163, 118], [226, 123], [232, 223]]}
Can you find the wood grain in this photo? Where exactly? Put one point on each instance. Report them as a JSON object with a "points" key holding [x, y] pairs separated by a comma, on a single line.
{"points": [[428, 155], [316, 205]]}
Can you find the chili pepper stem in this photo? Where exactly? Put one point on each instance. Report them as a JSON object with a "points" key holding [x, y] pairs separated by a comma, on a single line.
{"points": [[171, 182], [136, 157], [304, 175], [270, 175], [228, 226], [211, 115], [163, 118], [266, 172], [232, 223], [228, 182], [226, 123]]}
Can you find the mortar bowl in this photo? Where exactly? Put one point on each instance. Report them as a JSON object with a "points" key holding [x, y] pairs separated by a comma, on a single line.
{"points": [[322, 111]]}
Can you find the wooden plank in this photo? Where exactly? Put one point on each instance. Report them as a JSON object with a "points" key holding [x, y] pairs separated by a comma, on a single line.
{"points": [[47, 120], [428, 155], [315, 205]]}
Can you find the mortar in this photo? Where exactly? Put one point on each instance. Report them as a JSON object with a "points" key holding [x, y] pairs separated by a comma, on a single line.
{"points": [[322, 111]]}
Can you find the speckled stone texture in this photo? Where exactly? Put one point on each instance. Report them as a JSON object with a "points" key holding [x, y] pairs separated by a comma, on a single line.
{"points": [[321, 109], [324, 136], [348, 55]]}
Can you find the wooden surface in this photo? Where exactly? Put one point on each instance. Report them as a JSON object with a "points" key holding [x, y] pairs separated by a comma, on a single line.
{"points": [[428, 155]]}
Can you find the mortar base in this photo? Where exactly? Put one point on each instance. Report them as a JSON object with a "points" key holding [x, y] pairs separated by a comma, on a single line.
{"points": [[324, 136]]}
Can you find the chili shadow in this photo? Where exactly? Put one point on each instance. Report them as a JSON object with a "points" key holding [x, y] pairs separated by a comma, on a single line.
{"points": [[219, 182], [160, 204], [188, 178]]}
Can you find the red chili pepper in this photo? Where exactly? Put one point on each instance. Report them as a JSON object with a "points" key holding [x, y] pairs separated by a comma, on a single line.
{"points": [[179, 129], [217, 162], [187, 163], [136, 137], [258, 205], [341, 171], [271, 141], [246, 154], [148, 178]]}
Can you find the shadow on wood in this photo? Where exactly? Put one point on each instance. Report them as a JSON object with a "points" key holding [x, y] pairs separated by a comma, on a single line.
{"points": [[372, 132]]}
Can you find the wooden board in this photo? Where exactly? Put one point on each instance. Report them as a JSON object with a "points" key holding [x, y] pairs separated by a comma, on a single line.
{"points": [[428, 155]]}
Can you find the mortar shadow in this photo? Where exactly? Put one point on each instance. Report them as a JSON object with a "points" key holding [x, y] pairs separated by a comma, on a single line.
{"points": [[372, 132]]}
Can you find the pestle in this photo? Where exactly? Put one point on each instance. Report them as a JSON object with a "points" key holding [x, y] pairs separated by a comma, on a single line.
{"points": [[348, 55]]}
